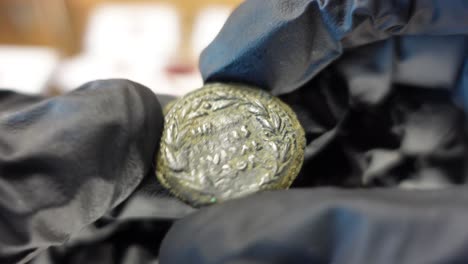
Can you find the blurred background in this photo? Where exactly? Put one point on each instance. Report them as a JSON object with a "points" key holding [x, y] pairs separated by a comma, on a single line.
{"points": [[53, 46]]}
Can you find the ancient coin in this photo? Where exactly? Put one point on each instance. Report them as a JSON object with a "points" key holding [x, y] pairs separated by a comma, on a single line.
{"points": [[225, 141]]}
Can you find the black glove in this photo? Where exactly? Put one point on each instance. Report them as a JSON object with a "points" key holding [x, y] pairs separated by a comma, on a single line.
{"points": [[66, 161], [379, 87]]}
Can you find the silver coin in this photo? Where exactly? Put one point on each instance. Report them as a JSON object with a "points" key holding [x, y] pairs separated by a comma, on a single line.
{"points": [[226, 141]]}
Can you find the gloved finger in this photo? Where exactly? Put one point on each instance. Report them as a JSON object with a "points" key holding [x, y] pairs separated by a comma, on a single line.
{"points": [[67, 160], [281, 44], [10, 100], [432, 62], [325, 226], [151, 200]]}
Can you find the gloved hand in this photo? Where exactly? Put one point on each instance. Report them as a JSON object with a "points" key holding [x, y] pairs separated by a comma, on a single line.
{"points": [[66, 161], [380, 87]]}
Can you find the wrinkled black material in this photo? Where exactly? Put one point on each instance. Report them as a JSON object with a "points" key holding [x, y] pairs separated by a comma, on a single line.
{"points": [[326, 226], [281, 44], [379, 86], [66, 161]]}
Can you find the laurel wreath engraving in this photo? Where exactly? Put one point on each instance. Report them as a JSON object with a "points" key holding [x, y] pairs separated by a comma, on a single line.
{"points": [[275, 131], [272, 124]]}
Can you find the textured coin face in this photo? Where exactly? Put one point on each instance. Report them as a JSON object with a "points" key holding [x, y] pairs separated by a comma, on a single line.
{"points": [[225, 141]]}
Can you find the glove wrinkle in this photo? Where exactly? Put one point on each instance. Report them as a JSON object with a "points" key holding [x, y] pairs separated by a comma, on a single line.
{"points": [[280, 45], [66, 161], [384, 177]]}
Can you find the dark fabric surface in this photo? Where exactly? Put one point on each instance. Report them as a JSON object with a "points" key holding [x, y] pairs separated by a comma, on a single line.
{"points": [[380, 88]]}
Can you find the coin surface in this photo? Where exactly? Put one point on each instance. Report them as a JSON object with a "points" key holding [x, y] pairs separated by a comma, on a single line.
{"points": [[226, 141]]}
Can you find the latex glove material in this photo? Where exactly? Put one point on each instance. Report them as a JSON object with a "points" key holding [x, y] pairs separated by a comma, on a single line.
{"points": [[282, 44], [377, 112], [326, 226], [66, 161]]}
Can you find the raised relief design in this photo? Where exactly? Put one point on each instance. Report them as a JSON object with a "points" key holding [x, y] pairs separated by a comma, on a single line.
{"points": [[222, 142]]}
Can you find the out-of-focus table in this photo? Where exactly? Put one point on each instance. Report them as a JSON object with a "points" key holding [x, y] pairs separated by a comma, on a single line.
{"points": [[64, 25]]}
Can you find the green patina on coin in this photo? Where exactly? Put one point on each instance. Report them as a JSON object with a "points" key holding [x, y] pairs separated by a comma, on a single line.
{"points": [[168, 106], [226, 141]]}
